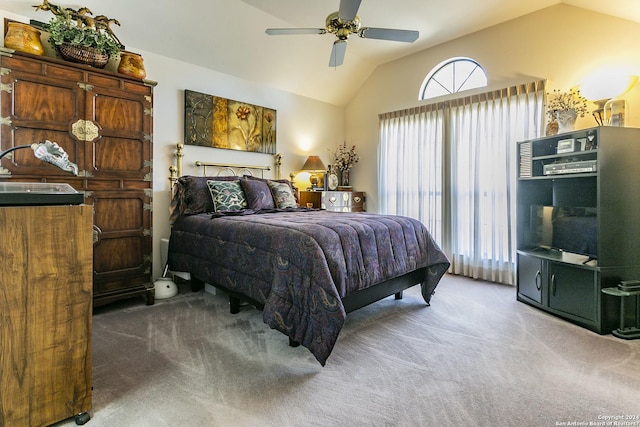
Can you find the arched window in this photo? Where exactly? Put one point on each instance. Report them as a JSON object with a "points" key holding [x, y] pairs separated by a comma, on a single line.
{"points": [[451, 76]]}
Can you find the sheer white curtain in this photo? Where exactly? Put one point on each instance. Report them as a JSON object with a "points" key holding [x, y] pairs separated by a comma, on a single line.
{"points": [[411, 165], [453, 166]]}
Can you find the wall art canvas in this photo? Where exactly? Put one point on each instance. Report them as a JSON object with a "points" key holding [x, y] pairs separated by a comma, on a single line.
{"points": [[212, 121]]}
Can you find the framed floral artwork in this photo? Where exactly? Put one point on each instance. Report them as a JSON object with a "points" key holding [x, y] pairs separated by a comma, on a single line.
{"points": [[212, 121]]}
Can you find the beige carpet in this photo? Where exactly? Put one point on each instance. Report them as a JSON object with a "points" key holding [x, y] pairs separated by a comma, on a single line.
{"points": [[476, 357]]}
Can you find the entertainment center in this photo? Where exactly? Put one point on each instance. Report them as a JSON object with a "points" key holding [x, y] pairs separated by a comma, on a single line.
{"points": [[578, 223]]}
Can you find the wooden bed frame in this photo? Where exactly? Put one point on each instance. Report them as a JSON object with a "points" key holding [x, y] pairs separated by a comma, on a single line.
{"points": [[351, 302]]}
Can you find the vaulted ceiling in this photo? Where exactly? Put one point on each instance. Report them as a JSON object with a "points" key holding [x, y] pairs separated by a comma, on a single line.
{"points": [[229, 35]]}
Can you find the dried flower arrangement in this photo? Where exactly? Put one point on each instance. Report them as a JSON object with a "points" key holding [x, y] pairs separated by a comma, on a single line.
{"points": [[565, 101], [345, 158]]}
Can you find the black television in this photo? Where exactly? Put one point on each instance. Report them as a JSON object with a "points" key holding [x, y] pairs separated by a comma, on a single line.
{"points": [[564, 228]]}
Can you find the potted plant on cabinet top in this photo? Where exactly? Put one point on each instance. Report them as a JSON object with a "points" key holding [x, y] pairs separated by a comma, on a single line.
{"points": [[77, 42], [565, 108]]}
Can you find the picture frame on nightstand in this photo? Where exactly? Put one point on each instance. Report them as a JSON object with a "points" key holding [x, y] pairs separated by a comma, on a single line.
{"points": [[332, 181]]}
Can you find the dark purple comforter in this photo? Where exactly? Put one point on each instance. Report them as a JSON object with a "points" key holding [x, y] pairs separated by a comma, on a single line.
{"points": [[299, 264]]}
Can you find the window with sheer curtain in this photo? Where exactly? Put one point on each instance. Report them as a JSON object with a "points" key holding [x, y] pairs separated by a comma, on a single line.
{"points": [[452, 165]]}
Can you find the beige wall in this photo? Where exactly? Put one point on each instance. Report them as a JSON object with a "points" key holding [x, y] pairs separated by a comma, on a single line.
{"points": [[561, 43]]}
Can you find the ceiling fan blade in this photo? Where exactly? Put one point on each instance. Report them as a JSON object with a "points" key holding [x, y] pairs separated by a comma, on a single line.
{"points": [[337, 53], [389, 34], [288, 31], [348, 9]]}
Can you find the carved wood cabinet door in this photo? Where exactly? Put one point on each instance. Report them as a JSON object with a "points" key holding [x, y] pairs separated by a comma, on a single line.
{"points": [[104, 122]]}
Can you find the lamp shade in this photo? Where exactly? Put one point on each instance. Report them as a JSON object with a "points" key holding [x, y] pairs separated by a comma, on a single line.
{"points": [[603, 86], [313, 163]]}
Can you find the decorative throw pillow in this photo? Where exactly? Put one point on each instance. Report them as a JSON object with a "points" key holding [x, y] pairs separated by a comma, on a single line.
{"points": [[284, 181], [282, 195], [227, 196], [257, 194], [192, 195]]}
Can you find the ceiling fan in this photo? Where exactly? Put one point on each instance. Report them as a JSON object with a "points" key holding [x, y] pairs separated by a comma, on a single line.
{"points": [[343, 23]]}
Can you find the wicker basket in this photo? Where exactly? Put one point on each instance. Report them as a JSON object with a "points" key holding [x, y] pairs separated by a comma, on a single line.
{"points": [[83, 55]]}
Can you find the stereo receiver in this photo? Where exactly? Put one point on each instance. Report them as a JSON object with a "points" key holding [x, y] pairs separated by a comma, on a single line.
{"points": [[570, 167]]}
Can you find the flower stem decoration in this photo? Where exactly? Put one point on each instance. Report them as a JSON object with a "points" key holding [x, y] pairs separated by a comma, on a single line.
{"points": [[345, 158], [565, 101]]}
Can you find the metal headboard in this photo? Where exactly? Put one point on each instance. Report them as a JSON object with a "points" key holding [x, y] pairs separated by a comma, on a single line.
{"points": [[234, 169], [176, 171]]}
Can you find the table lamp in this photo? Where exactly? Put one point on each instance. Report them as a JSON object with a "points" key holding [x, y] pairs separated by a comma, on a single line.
{"points": [[603, 87], [314, 165]]}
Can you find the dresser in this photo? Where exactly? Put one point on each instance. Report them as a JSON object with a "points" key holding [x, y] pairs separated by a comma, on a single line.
{"points": [[336, 201], [45, 314], [103, 120]]}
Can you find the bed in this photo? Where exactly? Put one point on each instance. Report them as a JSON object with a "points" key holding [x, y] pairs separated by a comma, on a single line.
{"points": [[305, 268]]}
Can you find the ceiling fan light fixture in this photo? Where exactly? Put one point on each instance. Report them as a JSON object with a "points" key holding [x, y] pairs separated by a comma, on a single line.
{"points": [[342, 24], [341, 28]]}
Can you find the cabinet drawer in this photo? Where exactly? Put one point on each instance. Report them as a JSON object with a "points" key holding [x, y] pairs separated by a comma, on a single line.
{"points": [[357, 200], [343, 201]]}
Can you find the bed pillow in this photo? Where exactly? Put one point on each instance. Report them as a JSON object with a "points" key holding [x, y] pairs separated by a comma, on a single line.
{"points": [[192, 195], [282, 195], [294, 190], [257, 194], [227, 195]]}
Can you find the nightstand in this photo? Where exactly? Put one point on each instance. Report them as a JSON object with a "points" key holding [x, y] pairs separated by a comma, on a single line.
{"points": [[343, 201], [336, 201]]}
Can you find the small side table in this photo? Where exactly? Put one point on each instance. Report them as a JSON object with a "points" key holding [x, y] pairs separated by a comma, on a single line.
{"points": [[336, 201], [624, 331]]}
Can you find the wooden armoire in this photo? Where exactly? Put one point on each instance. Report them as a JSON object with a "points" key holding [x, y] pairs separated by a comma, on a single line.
{"points": [[104, 121]]}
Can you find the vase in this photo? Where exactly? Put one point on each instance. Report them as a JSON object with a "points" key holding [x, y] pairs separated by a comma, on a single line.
{"points": [[566, 120], [552, 128], [132, 64], [24, 38], [344, 178]]}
